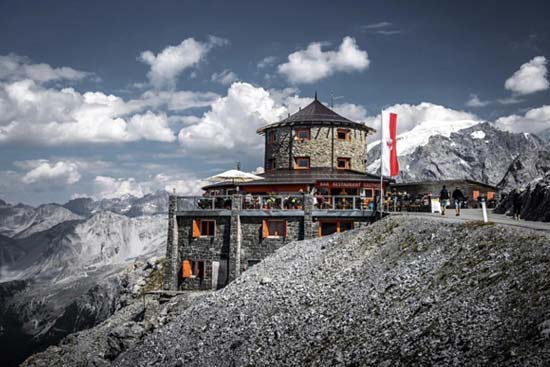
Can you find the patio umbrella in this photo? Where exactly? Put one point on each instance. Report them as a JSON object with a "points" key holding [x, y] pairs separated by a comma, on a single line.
{"points": [[234, 176]]}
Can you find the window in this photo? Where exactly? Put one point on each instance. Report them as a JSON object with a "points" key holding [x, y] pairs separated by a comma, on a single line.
{"points": [[273, 228], [301, 163], [272, 136], [193, 269], [343, 135], [302, 134], [343, 163], [204, 228], [329, 227], [271, 164]]}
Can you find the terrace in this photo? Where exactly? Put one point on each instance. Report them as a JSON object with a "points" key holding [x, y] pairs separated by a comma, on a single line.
{"points": [[274, 205]]}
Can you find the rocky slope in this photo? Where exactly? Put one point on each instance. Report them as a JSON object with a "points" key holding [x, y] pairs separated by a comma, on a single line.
{"points": [[392, 294], [70, 276], [480, 152], [22, 220]]}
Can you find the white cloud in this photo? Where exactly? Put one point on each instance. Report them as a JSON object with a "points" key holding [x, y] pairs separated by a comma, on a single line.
{"points": [[109, 187], [378, 25], [230, 125], [474, 101], [30, 112], [531, 77], [266, 61], [168, 64], [534, 121], [225, 77], [151, 127], [351, 111], [14, 67], [313, 64], [59, 172], [187, 185]]}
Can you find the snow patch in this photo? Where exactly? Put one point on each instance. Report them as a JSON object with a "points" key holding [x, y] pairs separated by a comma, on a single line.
{"points": [[478, 134]]}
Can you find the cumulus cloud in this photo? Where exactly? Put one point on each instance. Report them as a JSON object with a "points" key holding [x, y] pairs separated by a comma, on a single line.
{"points": [[59, 172], [534, 121], [175, 100], [474, 101], [31, 112], [15, 67], [225, 77], [167, 65], [106, 187], [351, 111], [313, 64], [530, 78], [231, 123]]}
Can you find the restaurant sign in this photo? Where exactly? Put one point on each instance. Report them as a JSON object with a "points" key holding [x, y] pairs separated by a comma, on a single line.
{"points": [[344, 184]]}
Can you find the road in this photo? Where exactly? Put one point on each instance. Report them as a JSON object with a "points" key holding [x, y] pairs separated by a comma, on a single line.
{"points": [[477, 214]]}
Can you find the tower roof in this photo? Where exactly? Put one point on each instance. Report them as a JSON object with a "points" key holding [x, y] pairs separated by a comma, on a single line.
{"points": [[315, 113]]}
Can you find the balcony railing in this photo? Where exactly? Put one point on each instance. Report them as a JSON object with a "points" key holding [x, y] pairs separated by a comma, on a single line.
{"points": [[273, 202]]}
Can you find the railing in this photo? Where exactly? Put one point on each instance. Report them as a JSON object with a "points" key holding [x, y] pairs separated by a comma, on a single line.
{"points": [[272, 202]]}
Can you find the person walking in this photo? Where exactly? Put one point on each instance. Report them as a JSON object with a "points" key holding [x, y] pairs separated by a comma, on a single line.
{"points": [[458, 197], [516, 202], [444, 199]]}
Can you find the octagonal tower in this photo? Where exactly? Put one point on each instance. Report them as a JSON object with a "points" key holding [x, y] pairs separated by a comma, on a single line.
{"points": [[315, 137]]}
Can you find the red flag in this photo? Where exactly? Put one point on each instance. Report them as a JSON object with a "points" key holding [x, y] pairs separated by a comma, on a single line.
{"points": [[389, 162]]}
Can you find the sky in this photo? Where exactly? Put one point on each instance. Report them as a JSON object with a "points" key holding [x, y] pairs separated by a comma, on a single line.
{"points": [[109, 98]]}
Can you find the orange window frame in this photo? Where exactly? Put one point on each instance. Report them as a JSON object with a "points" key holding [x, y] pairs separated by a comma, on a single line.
{"points": [[198, 228], [347, 162], [338, 225], [265, 228], [347, 136], [298, 131], [296, 166]]}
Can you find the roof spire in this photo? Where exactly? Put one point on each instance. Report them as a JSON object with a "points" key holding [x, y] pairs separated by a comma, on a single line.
{"points": [[315, 95]]}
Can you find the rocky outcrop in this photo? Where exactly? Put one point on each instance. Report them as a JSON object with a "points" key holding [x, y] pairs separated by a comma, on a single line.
{"points": [[529, 166], [535, 201], [396, 293]]}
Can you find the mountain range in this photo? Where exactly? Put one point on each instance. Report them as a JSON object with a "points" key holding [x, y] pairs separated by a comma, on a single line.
{"points": [[62, 266]]}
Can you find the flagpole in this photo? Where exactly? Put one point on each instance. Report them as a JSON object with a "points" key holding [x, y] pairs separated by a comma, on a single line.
{"points": [[381, 163]]}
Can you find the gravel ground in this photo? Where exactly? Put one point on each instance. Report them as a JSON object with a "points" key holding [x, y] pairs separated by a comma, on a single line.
{"points": [[401, 292]]}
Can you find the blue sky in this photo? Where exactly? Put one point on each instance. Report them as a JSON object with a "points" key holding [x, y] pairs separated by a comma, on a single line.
{"points": [[103, 98]]}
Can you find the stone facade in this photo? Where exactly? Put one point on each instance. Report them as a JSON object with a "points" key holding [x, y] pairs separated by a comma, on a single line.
{"points": [[323, 148], [238, 242]]}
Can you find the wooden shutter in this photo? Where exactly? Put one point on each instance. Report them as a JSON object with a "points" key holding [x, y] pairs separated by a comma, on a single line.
{"points": [[490, 195], [196, 228], [265, 229], [284, 228], [186, 269], [475, 195]]}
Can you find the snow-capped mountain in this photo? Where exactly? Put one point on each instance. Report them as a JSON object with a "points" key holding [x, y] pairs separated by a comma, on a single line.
{"points": [[21, 220], [480, 152], [419, 136]]}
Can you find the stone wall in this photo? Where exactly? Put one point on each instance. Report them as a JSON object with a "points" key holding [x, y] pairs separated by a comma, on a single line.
{"points": [[319, 148], [208, 249], [254, 247]]}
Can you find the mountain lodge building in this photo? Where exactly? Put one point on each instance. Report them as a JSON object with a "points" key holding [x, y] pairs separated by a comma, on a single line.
{"points": [[314, 184]]}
